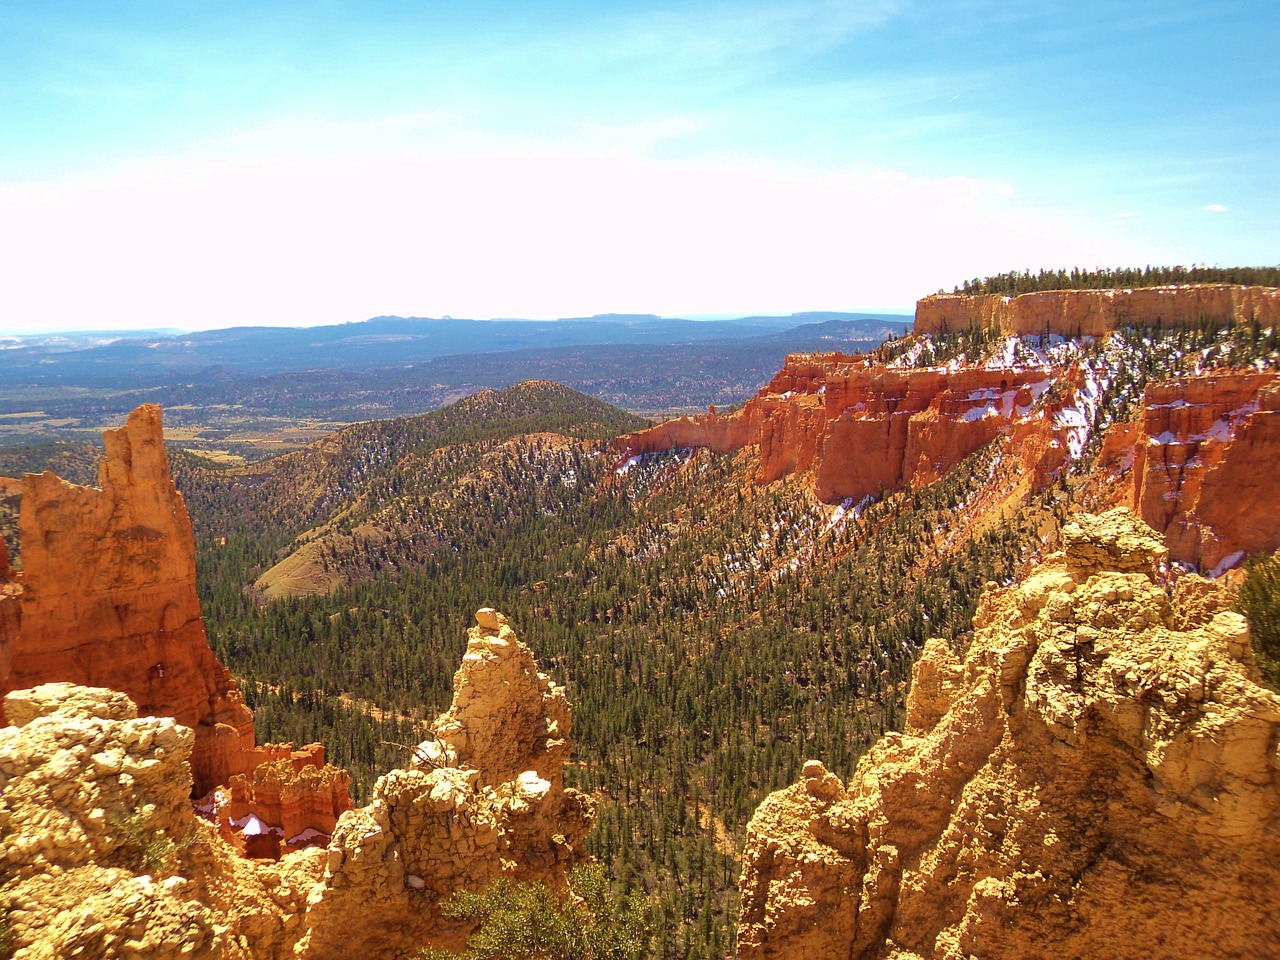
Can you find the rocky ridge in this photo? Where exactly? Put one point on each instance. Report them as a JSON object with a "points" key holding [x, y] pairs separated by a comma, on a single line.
{"points": [[1197, 466], [103, 857], [1095, 313], [1194, 464], [862, 429], [1098, 776]]}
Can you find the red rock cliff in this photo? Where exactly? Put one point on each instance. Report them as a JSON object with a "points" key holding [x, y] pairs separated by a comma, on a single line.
{"points": [[109, 598], [1077, 313], [863, 429], [10, 611], [293, 792], [1203, 458]]}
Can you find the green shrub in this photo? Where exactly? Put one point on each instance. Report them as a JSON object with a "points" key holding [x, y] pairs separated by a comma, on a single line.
{"points": [[1259, 601], [146, 849], [527, 921]]}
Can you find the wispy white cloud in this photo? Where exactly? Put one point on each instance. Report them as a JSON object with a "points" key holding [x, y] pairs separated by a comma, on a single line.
{"points": [[532, 228], [1214, 208]]}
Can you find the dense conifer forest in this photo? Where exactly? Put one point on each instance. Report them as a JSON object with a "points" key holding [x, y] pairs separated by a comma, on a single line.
{"points": [[714, 634], [1118, 278]]}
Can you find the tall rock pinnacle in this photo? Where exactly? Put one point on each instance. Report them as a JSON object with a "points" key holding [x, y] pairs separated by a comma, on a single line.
{"points": [[109, 597]]}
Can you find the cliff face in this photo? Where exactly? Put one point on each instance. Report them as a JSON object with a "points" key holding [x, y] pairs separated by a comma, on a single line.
{"points": [[102, 856], [10, 612], [109, 597], [1098, 777], [863, 429], [292, 799], [1199, 465], [1093, 313]]}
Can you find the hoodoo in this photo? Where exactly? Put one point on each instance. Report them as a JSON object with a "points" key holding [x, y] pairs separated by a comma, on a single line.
{"points": [[109, 598], [1097, 778]]}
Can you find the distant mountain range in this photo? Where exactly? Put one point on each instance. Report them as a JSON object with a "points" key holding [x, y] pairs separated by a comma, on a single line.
{"points": [[246, 387], [98, 359]]}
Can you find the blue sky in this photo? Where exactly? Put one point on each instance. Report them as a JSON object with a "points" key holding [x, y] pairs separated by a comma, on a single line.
{"points": [[201, 165]]}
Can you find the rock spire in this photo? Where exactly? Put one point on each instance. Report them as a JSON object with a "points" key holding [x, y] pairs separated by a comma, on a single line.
{"points": [[1096, 778], [109, 597]]}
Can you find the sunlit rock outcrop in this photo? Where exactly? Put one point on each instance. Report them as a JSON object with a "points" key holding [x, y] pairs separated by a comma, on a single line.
{"points": [[102, 855], [1094, 313], [1097, 777], [1199, 466]]}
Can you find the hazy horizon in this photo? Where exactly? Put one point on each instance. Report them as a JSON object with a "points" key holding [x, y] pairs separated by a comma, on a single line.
{"points": [[266, 164], [178, 331]]}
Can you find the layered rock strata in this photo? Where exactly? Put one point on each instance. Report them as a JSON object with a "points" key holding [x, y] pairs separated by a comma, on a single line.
{"points": [[1094, 313], [863, 429], [292, 799], [1199, 466], [109, 598], [101, 856], [1098, 777]]}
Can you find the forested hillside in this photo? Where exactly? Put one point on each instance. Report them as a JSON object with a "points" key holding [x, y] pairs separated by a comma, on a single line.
{"points": [[714, 634]]}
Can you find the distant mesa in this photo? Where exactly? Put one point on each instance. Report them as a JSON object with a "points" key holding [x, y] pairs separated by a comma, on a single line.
{"points": [[1093, 313]]}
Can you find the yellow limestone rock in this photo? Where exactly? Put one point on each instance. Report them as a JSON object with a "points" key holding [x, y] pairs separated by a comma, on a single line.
{"points": [[92, 799], [485, 798], [1098, 778], [101, 856]]}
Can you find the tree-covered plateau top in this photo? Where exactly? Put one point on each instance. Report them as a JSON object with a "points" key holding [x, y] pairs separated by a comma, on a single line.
{"points": [[1105, 278]]}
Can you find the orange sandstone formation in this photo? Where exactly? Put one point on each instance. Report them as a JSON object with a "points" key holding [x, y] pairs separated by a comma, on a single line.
{"points": [[863, 429], [10, 611], [109, 598], [1093, 313], [1199, 466], [1097, 778], [293, 799]]}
